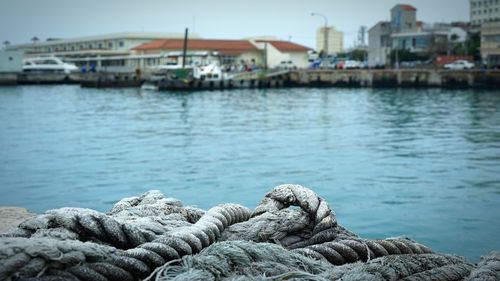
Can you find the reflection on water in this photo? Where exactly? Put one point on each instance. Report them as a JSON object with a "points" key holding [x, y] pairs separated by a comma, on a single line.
{"points": [[421, 163]]}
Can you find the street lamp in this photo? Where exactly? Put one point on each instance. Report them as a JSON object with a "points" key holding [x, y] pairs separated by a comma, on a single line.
{"points": [[325, 48]]}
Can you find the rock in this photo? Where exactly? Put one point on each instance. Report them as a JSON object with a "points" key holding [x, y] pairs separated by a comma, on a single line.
{"points": [[11, 217]]}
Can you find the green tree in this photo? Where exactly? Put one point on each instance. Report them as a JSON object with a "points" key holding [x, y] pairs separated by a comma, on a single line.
{"points": [[473, 45], [359, 55]]}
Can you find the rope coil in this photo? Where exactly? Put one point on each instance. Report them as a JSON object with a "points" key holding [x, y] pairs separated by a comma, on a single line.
{"points": [[154, 237]]}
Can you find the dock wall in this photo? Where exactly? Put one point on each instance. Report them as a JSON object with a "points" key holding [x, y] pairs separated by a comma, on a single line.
{"points": [[298, 78], [7, 79], [396, 78]]}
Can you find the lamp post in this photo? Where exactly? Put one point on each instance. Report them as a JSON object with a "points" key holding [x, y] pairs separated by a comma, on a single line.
{"points": [[325, 48]]}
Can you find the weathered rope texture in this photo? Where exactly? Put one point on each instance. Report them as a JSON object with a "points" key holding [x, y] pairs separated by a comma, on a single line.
{"points": [[157, 238]]}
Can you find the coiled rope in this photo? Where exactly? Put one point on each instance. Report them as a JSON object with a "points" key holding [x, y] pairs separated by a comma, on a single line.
{"points": [[79, 261], [154, 237]]}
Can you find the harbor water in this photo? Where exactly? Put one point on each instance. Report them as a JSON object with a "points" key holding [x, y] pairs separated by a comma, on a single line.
{"points": [[391, 162]]}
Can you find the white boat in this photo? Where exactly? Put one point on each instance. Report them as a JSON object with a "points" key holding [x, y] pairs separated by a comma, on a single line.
{"points": [[210, 72], [48, 65]]}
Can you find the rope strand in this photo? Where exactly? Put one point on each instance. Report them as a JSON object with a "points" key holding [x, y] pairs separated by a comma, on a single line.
{"points": [[157, 238]]}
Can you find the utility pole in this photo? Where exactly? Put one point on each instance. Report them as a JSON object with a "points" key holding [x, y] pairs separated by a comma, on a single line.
{"points": [[184, 50], [361, 35], [397, 57], [325, 30]]}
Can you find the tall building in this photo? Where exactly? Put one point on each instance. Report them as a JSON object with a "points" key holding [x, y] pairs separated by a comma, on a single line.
{"points": [[334, 40], [482, 11], [490, 43], [403, 18]]}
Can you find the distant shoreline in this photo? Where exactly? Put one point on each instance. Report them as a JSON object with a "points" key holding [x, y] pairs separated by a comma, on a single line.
{"points": [[356, 78]]}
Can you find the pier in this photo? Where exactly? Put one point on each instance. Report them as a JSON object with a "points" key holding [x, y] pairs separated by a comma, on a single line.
{"points": [[485, 79], [396, 78]]}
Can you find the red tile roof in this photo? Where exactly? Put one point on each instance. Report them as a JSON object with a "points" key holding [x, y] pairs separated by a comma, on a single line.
{"points": [[224, 46], [286, 46], [408, 7]]}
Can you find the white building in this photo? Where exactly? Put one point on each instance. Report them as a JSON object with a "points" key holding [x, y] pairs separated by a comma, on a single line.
{"points": [[110, 50], [130, 51], [11, 61], [379, 43], [334, 40], [260, 53], [482, 11], [278, 53]]}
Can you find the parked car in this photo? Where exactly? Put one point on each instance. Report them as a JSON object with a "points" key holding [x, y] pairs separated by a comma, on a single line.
{"points": [[339, 64], [352, 64], [287, 65], [376, 65], [459, 65], [315, 64]]}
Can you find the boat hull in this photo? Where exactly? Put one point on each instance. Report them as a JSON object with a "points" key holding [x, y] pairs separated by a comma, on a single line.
{"points": [[197, 85]]}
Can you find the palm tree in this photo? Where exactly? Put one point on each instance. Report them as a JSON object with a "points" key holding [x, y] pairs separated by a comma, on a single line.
{"points": [[34, 39]]}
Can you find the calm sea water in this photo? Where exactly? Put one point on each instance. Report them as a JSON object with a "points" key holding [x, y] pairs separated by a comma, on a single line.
{"points": [[420, 163]]}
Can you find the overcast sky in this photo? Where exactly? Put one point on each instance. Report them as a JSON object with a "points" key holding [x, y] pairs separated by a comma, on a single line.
{"points": [[20, 20]]}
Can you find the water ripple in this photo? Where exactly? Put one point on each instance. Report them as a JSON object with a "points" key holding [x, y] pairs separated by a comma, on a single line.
{"points": [[424, 163]]}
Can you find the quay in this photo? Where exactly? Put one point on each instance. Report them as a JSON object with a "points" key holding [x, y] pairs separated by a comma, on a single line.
{"points": [[396, 78], [483, 79], [111, 80]]}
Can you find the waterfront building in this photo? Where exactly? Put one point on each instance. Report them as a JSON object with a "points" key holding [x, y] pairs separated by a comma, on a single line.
{"points": [[335, 40], [490, 43], [403, 18], [379, 43], [239, 53], [126, 52], [482, 11], [110, 50], [202, 51], [283, 53], [404, 32], [430, 39], [11, 61]]}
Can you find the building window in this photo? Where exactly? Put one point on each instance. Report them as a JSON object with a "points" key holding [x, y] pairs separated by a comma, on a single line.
{"points": [[72, 48], [99, 46], [121, 44], [90, 46]]}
